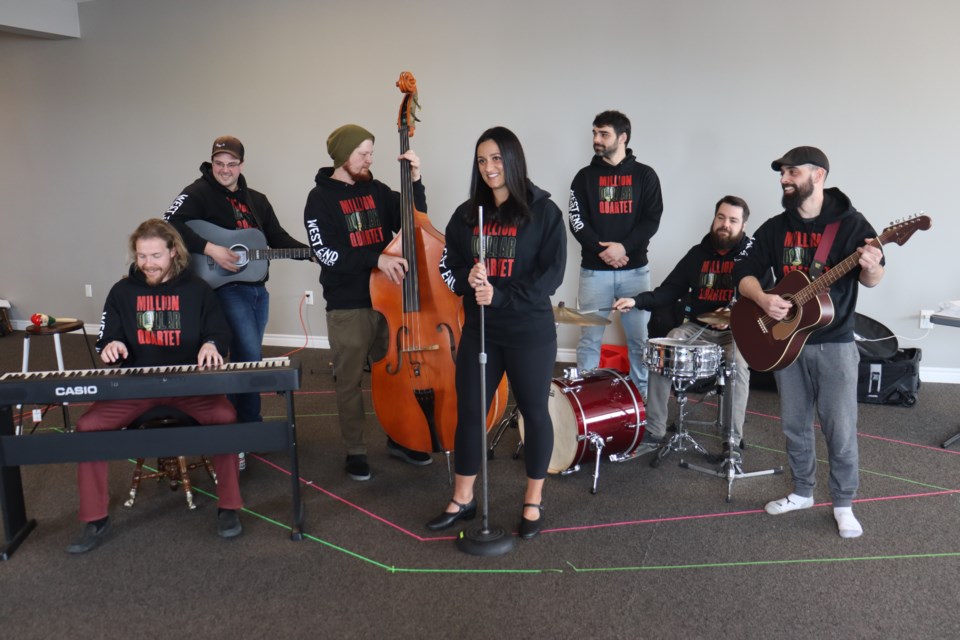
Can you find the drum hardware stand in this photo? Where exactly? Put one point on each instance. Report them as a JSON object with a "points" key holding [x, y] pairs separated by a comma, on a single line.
{"points": [[731, 465], [597, 443], [510, 419], [681, 440], [484, 540]]}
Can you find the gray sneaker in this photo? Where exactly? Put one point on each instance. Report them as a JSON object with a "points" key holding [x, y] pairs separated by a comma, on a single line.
{"points": [[648, 443]]}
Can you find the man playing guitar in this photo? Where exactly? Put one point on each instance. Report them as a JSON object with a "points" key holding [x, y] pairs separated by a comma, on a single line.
{"points": [[221, 197], [822, 380]]}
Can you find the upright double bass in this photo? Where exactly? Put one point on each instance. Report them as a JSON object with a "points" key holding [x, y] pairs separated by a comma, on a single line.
{"points": [[413, 385]]}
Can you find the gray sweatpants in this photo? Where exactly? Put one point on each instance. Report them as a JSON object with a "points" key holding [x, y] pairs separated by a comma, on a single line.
{"points": [[822, 380]]}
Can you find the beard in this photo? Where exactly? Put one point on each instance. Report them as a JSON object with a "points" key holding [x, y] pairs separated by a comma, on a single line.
{"points": [[157, 278], [604, 152], [363, 175], [793, 201], [724, 242]]}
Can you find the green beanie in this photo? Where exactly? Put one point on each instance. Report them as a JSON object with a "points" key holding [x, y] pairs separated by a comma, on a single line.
{"points": [[342, 142]]}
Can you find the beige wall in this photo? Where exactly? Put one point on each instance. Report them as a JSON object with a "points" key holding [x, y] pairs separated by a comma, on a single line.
{"points": [[100, 132]]}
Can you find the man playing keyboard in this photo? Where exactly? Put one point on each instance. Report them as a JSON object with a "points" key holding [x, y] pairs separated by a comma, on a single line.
{"points": [[161, 314]]}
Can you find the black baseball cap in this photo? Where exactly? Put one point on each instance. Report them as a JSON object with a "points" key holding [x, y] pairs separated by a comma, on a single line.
{"points": [[228, 144], [802, 155]]}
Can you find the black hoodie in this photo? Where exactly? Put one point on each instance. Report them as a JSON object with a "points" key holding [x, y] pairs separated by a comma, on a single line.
{"points": [[525, 265], [348, 227], [705, 273], [629, 211], [164, 324], [208, 200], [788, 242]]}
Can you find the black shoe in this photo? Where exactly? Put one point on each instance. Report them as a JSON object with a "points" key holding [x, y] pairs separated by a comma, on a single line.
{"points": [[357, 467], [400, 452], [446, 519], [530, 529], [91, 537], [228, 523]]}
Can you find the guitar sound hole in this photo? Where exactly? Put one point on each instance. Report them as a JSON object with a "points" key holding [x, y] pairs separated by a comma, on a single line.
{"points": [[243, 256]]}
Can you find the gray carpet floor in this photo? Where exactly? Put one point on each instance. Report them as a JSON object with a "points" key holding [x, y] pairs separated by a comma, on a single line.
{"points": [[656, 553]]}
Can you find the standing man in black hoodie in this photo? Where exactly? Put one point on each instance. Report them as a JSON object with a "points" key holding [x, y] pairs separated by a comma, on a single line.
{"points": [[350, 219], [823, 378], [706, 274], [220, 196], [615, 209]]}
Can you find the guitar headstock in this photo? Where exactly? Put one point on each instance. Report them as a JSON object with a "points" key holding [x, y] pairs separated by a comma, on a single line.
{"points": [[901, 230], [408, 107]]}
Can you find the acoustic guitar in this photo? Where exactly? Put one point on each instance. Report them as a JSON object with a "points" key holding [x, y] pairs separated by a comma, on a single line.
{"points": [[250, 244], [770, 345]]}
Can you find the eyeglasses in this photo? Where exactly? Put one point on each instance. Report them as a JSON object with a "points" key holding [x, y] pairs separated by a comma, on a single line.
{"points": [[226, 165]]}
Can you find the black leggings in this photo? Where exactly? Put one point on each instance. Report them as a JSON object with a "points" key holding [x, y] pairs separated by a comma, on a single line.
{"points": [[529, 371]]}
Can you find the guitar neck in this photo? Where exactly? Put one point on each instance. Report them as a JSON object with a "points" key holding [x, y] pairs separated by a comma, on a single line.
{"points": [[842, 268], [277, 254]]}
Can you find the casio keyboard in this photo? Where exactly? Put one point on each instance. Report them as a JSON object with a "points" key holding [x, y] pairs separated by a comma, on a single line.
{"points": [[47, 387]]}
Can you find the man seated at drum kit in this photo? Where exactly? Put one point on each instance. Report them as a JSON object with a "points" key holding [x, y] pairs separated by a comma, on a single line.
{"points": [[705, 273]]}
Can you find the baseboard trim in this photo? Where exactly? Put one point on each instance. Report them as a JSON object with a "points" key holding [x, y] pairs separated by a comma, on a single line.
{"points": [[946, 375]]}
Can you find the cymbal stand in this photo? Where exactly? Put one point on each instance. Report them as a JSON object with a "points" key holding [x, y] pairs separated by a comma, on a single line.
{"points": [[731, 465], [681, 440]]}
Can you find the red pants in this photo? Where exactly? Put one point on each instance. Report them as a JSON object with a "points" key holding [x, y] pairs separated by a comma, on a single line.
{"points": [[113, 415]]}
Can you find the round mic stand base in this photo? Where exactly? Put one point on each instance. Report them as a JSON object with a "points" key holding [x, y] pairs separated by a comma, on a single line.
{"points": [[492, 541]]}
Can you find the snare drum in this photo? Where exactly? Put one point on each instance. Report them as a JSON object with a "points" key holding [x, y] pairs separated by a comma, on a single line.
{"points": [[682, 360], [603, 402]]}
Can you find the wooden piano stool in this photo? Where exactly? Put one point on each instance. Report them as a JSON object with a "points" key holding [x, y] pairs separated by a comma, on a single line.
{"points": [[175, 469]]}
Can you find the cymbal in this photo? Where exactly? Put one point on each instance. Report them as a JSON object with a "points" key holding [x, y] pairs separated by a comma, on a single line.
{"points": [[563, 314], [715, 317]]}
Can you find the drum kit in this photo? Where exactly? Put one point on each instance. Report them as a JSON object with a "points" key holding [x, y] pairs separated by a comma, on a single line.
{"points": [[601, 411]]}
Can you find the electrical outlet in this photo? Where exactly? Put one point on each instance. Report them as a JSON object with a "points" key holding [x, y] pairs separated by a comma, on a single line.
{"points": [[308, 297], [88, 290], [925, 319]]}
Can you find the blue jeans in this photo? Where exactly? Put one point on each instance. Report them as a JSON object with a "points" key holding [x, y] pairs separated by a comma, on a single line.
{"points": [[247, 308], [599, 289]]}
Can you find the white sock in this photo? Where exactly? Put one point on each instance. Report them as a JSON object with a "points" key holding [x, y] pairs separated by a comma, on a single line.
{"points": [[847, 522]]}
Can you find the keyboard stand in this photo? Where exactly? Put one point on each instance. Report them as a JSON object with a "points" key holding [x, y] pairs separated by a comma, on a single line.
{"points": [[53, 448]]}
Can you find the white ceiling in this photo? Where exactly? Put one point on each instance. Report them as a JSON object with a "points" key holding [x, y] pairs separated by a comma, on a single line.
{"points": [[41, 18]]}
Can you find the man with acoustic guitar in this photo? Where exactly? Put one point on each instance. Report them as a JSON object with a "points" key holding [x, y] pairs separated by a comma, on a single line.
{"points": [[223, 204], [818, 229]]}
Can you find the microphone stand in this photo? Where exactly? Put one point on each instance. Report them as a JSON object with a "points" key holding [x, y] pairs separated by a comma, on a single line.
{"points": [[484, 540]]}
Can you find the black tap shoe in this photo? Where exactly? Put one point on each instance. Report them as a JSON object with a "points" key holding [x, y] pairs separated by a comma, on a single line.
{"points": [[446, 519], [530, 529]]}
